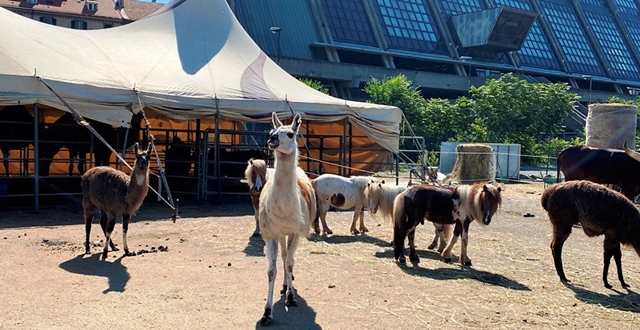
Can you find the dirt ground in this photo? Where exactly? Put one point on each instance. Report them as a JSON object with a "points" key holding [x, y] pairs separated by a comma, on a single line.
{"points": [[213, 274]]}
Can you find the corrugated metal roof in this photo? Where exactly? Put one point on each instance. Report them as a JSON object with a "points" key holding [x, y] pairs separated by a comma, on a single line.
{"points": [[293, 16]]}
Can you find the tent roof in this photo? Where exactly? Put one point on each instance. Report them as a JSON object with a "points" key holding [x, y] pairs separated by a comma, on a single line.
{"points": [[188, 60]]}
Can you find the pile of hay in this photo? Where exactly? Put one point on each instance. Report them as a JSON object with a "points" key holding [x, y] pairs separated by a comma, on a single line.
{"points": [[609, 125], [474, 163]]}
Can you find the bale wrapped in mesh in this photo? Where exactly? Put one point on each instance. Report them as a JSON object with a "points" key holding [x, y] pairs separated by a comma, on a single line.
{"points": [[475, 162], [610, 125]]}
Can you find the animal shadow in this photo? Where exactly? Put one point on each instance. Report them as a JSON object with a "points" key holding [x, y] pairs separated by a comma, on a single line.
{"points": [[428, 254], [115, 272], [463, 272], [344, 239], [255, 247], [299, 317], [629, 301]]}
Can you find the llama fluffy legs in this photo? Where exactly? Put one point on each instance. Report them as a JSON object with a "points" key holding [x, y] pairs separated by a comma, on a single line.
{"points": [[88, 219], [272, 255], [107, 225], [612, 249], [291, 245], [125, 227], [560, 235]]}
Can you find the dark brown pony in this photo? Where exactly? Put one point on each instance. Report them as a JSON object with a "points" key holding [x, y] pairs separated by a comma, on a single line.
{"points": [[16, 131], [66, 132], [459, 205], [600, 211]]}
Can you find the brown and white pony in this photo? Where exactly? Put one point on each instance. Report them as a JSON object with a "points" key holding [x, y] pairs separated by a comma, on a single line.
{"points": [[286, 210], [459, 205], [380, 196], [341, 193], [256, 175]]}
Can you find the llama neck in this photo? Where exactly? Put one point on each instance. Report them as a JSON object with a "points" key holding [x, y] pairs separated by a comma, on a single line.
{"points": [[138, 188], [285, 168]]}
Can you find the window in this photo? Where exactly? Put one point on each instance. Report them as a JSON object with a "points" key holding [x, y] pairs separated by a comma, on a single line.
{"points": [[48, 20], [108, 25], [79, 25], [93, 6], [32, 1]]}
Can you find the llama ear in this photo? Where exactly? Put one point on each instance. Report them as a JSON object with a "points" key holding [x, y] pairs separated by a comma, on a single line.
{"points": [[149, 146], [499, 189], [297, 120], [250, 161], [275, 121], [484, 188], [136, 148], [382, 181]]}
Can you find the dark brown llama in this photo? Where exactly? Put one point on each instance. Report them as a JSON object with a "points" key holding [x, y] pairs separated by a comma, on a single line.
{"points": [[600, 211], [115, 193]]}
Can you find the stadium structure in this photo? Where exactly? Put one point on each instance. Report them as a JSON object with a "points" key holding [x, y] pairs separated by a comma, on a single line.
{"points": [[445, 46]]}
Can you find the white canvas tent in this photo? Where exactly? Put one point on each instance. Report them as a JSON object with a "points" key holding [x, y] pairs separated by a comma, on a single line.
{"points": [[189, 60]]}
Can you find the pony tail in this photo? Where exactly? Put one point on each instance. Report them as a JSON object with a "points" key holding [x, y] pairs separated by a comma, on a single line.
{"points": [[398, 226]]}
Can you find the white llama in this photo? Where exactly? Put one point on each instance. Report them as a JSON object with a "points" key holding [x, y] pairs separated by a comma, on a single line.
{"points": [[287, 207]]}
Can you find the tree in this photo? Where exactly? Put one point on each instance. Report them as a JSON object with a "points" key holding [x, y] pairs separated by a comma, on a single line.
{"points": [[315, 84], [512, 110], [397, 91]]}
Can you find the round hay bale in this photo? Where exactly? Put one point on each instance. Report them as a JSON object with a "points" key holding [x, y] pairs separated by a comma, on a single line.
{"points": [[610, 125], [474, 163]]}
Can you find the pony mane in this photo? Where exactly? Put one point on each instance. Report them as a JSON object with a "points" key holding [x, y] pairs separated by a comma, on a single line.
{"points": [[387, 194], [256, 167], [473, 196], [361, 181]]}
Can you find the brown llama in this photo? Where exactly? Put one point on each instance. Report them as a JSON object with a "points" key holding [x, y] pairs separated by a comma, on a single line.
{"points": [[115, 193], [287, 207], [256, 175], [380, 196], [600, 211]]}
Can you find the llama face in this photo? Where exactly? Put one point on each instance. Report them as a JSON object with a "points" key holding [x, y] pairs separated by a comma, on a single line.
{"points": [[142, 157], [283, 138]]}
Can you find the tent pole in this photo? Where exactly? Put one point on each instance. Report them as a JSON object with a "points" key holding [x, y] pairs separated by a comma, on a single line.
{"points": [[36, 155], [86, 124], [197, 156], [343, 152], [217, 151]]}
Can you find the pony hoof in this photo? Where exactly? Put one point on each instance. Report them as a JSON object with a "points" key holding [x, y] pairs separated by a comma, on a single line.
{"points": [[328, 232], [432, 246], [364, 230], [608, 286], [284, 289], [402, 260], [113, 248], [255, 234], [355, 232], [447, 260], [414, 259], [625, 285], [467, 263]]}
